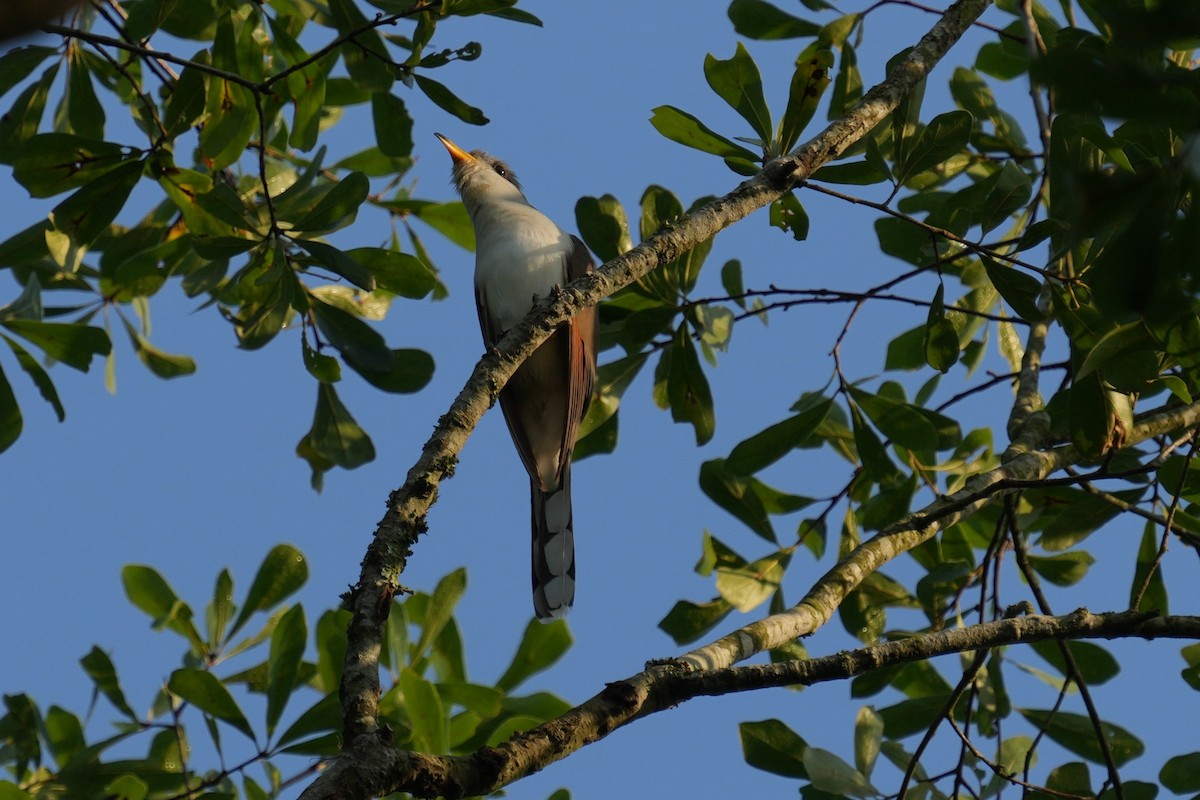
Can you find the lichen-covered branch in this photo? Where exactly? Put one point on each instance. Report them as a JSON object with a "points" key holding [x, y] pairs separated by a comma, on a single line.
{"points": [[378, 767]]}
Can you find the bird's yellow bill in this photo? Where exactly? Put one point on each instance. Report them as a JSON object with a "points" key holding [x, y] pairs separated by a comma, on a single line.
{"points": [[459, 155]]}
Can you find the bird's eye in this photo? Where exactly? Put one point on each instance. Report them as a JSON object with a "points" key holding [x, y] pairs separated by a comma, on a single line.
{"points": [[502, 172]]}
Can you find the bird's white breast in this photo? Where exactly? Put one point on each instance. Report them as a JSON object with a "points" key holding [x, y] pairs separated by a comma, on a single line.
{"points": [[520, 254]]}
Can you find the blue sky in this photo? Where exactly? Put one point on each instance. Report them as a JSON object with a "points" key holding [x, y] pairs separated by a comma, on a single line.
{"points": [[199, 473]]}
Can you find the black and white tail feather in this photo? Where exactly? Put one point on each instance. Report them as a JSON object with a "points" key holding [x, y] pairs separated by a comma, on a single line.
{"points": [[553, 549]]}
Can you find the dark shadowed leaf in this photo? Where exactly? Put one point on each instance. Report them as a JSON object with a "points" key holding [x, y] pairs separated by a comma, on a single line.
{"points": [[283, 663], [450, 102], [758, 19], [99, 667], [687, 621], [1076, 733], [772, 746]]}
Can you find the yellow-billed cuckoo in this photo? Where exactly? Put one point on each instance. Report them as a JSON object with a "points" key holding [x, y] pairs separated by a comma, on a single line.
{"points": [[521, 256]]}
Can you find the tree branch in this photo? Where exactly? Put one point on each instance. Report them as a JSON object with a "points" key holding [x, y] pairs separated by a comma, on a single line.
{"points": [[370, 599], [381, 768]]}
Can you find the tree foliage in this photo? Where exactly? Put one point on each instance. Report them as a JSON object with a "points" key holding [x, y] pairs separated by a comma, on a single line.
{"points": [[1068, 227]]}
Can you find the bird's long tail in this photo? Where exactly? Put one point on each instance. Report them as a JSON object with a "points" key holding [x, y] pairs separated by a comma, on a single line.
{"points": [[553, 549]]}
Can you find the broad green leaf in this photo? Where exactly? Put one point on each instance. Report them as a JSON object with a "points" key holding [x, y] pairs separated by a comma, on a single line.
{"points": [[747, 499], [150, 593], [335, 438], [324, 715], [338, 207], [21, 122], [684, 386], [84, 113], [410, 372], [830, 774], [393, 125], [127, 787], [945, 135], [283, 662], [365, 55], [809, 82], [185, 103], [941, 338], [52, 163], [680, 126], [687, 621], [758, 19], [1121, 341], [425, 712], [871, 452], [1063, 569], [359, 343], [11, 422], [206, 692], [747, 586], [1181, 774], [1018, 289], [737, 81], [765, 448], [900, 422], [788, 214], [868, 736], [396, 272], [1076, 733], [450, 102], [283, 571], [442, 601], [772, 746], [1096, 665], [541, 646], [339, 262], [99, 667], [164, 365], [219, 612], [1007, 191], [19, 63], [1148, 583], [603, 226]]}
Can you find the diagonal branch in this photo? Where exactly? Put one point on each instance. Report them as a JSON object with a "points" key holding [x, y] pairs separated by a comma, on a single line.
{"points": [[379, 767]]}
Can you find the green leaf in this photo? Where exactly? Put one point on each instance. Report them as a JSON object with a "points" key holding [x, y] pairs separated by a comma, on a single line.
{"points": [[283, 663], [396, 272], [11, 422], [220, 611], [1075, 732], [680, 380], [150, 593], [445, 597], [603, 226], [1148, 575], [338, 207], [687, 621], [72, 344], [364, 53], [765, 448], [772, 746], [282, 572], [747, 586], [99, 667], [164, 365], [335, 438], [1181, 774], [21, 122], [450, 102], [946, 135], [1122, 340], [425, 712], [747, 499], [868, 739], [541, 646], [52, 163], [830, 774], [206, 692], [758, 19], [1063, 569], [1019, 290], [738, 82], [1006, 192], [410, 372], [680, 126], [1096, 665], [339, 262], [941, 338], [393, 125], [324, 715], [788, 214], [902, 423], [809, 82], [359, 343]]}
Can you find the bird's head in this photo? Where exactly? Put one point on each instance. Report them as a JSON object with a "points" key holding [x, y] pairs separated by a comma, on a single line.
{"points": [[480, 178]]}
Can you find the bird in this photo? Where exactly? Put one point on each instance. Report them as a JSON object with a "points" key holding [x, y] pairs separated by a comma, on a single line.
{"points": [[520, 257]]}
